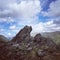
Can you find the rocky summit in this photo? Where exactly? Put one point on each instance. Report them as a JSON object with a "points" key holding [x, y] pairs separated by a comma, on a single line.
{"points": [[24, 34], [25, 47]]}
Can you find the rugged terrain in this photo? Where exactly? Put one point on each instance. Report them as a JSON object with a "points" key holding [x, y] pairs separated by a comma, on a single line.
{"points": [[55, 36], [25, 47]]}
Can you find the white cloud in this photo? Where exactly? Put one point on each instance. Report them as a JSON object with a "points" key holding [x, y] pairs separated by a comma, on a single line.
{"points": [[49, 26], [1, 30], [8, 20], [23, 13], [54, 9], [2, 20], [24, 9], [12, 27], [9, 34]]}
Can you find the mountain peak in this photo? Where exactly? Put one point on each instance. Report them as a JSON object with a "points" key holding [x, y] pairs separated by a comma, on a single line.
{"points": [[23, 34]]}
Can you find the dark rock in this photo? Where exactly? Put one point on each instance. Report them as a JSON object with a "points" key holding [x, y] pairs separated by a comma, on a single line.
{"points": [[24, 34], [29, 48], [41, 53], [37, 38], [45, 43]]}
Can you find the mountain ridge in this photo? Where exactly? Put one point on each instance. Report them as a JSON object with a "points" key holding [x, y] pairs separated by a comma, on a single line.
{"points": [[25, 47]]}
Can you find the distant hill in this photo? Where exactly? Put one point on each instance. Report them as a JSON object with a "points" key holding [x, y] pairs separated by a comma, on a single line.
{"points": [[3, 39], [54, 35]]}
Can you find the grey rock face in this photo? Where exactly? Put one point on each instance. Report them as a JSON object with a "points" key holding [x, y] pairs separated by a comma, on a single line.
{"points": [[37, 38], [41, 53], [45, 43], [24, 34]]}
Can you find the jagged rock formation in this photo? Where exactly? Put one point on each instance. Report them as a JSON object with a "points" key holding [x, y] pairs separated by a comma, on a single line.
{"points": [[43, 41], [24, 47], [24, 34]]}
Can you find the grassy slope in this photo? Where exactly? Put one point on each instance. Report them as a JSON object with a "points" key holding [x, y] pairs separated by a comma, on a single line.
{"points": [[54, 35]]}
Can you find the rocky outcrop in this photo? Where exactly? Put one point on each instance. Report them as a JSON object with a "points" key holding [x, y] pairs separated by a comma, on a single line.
{"points": [[44, 42], [25, 47], [23, 35]]}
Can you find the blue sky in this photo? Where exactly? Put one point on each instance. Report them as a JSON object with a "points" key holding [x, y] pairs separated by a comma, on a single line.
{"points": [[42, 15]]}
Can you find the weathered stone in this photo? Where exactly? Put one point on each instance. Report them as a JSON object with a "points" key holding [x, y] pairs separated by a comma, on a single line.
{"points": [[41, 53], [45, 43], [29, 48], [24, 34]]}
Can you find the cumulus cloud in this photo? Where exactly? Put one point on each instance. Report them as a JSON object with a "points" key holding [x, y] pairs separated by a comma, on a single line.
{"points": [[13, 27], [43, 27], [54, 9], [49, 26], [24, 9], [23, 12], [8, 20], [57, 20], [54, 13], [19, 13]]}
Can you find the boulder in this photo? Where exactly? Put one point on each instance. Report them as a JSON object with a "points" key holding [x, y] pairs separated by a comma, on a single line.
{"points": [[41, 53]]}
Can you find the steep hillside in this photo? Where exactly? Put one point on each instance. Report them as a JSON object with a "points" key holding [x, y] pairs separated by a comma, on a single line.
{"points": [[3, 41], [54, 35]]}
